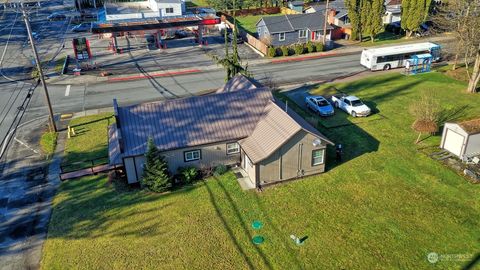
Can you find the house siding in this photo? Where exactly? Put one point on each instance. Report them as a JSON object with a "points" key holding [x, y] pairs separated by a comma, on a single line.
{"points": [[250, 170], [211, 155], [262, 30], [285, 164], [129, 164], [473, 144]]}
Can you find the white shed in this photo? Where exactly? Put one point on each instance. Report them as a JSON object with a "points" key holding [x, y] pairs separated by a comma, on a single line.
{"points": [[462, 139]]}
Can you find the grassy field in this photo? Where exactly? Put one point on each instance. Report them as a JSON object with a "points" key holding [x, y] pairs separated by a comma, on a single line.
{"points": [[386, 206], [248, 23], [89, 143]]}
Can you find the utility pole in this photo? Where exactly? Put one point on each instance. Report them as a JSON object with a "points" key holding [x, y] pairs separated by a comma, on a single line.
{"points": [[324, 40], [40, 71]]}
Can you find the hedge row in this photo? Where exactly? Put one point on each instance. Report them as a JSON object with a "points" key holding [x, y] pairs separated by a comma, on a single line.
{"points": [[295, 49]]}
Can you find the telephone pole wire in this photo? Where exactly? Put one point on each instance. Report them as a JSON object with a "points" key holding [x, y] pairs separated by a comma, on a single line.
{"points": [[40, 71]]}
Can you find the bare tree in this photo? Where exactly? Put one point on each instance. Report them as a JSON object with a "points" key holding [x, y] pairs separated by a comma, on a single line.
{"points": [[426, 111], [462, 19]]}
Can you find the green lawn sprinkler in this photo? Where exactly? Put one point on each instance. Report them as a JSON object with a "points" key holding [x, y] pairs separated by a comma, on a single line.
{"points": [[257, 225], [258, 239]]}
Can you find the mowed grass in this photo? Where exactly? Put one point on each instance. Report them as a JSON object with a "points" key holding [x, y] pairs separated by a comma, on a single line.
{"points": [[386, 206], [48, 142], [248, 23], [89, 143]]}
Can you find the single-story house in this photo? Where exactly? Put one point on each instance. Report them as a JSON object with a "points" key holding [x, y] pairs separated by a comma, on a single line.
{"points": [[337, 18], [462, 139], [243, 127], [296, 5], [293, 28]]}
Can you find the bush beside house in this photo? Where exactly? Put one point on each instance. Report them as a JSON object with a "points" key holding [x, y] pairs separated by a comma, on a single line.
{"points": [[295, 49]]}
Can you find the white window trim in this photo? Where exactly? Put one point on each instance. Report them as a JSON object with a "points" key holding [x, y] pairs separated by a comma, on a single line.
{"points": [[236, 148], [304, 33], [323, 157], [166, 10], [280, 36], [193, 158]]}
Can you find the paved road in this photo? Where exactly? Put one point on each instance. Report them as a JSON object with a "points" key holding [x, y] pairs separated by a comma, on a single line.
{"points": [[76, 98]]}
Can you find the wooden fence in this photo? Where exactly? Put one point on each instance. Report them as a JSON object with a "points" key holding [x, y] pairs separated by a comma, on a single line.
{"points": [[250, 39]]}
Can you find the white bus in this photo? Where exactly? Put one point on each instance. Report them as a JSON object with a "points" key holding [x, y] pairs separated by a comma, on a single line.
{"points": [[397, 56]]}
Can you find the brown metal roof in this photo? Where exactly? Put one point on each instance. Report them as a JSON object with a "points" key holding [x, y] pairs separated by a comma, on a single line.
{"points": [[239, 82], [471, 126], [274, 129], [191, 121]]}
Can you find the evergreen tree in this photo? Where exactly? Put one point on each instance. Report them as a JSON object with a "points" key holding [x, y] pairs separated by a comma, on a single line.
{"points": [[375, 21], [155, 175], [232, 62], [353, 9], [414, 13]]}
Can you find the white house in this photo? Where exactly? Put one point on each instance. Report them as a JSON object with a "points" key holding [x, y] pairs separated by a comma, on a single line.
{"points": [[462, 139], [144, 9], [393, 11]]}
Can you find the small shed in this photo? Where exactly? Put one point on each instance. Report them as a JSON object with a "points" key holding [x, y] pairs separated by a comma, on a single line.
{"points": [[462, 139]]}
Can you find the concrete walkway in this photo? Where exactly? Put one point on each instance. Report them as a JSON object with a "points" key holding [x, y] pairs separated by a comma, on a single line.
{"points": [[28, 186]]}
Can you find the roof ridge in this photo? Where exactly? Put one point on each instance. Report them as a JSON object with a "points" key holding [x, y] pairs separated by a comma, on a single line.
{"points": [[174, 100], [288, 20]]}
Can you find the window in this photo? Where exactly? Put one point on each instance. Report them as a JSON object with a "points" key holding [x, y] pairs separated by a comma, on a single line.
{"points": [[192, 155], [169, 10], [317, 157], [233, 148], [281, 37], [302, 34]]}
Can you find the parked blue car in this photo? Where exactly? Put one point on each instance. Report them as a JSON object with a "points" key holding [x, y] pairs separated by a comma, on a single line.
{"points": [[319, 105]]}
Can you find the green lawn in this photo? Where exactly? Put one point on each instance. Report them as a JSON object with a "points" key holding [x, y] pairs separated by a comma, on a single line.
{"points": [[89, 143], [48, 142], [385, 207], [197, 3], [248, 23]]}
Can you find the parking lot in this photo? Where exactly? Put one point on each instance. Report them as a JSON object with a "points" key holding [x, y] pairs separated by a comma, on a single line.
{"points": [[138, 53]]}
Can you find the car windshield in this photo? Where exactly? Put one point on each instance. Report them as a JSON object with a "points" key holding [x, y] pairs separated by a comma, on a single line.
{"points": [[356, 103], [322, 103]]}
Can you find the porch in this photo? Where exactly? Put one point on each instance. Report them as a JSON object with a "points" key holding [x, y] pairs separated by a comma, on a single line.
{"points": [[243, 179]]}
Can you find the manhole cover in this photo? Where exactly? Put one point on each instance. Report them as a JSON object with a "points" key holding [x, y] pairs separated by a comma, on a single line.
{"points": [[257, 225], [257, 240]]}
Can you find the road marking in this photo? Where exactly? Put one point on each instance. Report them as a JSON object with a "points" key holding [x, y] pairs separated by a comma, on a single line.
{"points": [[26, 145], [67, 90]]}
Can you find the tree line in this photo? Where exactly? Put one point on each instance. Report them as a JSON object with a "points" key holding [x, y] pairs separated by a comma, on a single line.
{"points": [[366, 16]]}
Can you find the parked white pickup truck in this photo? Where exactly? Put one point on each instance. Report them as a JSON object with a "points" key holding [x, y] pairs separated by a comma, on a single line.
{"points": [[351, 105]]}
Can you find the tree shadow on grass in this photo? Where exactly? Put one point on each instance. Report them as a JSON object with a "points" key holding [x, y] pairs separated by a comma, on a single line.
{"points": [[86, 208], [227, 227]]}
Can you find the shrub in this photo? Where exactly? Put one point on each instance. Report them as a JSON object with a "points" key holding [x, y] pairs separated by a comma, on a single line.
{"points": [[155, 175], [271, 52], [220, 169], [310, 47], [319, 47], [284, 50], [298, 49], [188, 174]]}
